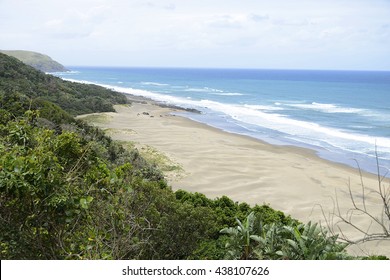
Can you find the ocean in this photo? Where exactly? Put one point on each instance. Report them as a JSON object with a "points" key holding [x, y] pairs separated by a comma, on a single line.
{"points": [[344, 116]]}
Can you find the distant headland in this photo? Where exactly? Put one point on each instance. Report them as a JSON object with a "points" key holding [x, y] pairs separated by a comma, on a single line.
{"points": [[39, 61]]}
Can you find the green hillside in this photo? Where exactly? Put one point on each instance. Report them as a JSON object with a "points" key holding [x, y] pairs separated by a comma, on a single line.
{"points": [[68, 191], [35, 88], [39, 61]]}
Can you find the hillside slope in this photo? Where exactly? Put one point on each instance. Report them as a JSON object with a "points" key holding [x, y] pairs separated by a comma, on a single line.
{"points": [[39, 61], [33, 85], [67, 191]]}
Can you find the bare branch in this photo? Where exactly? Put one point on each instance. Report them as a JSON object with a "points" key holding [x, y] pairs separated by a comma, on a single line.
{"points": [[362, 184], [361, 210]]}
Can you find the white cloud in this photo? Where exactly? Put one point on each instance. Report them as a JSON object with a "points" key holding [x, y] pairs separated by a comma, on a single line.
{"points": [[202, 32], [74, 23], [225, 21], [258, 18]]}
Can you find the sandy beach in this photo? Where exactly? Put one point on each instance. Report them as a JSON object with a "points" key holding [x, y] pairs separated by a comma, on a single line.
{"points": [[216, 163]]}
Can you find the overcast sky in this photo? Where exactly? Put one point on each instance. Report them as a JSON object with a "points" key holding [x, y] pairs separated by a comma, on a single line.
{"points": [[282, 34]]}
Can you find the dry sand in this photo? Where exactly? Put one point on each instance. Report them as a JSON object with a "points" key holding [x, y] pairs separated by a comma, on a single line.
{"points": [[217, 163]]}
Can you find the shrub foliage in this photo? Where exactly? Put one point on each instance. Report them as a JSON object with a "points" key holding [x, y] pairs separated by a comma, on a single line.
{"points": [[67, 191]]}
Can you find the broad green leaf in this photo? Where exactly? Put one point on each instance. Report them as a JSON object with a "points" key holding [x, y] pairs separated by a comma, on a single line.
{"points": [[83, 203]]}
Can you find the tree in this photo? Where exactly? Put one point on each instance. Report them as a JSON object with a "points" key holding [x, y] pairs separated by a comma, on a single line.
{"points": [[310, 242], [253, 240], [378, 224], [241, 242]]}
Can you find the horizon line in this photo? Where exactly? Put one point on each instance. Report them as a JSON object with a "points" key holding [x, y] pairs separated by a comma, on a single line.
{"points": [[229, 68]]}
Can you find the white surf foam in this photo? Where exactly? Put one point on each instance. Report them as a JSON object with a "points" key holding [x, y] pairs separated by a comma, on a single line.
{"points": [[297, 128], [154, 84], [228, 93], [327, 108], [264, 117]]}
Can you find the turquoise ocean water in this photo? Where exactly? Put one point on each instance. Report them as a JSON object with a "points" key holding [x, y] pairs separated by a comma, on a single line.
{"points": [[343, 115]]}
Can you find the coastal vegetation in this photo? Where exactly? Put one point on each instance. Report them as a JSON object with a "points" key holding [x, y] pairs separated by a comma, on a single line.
{"points": [[252, 239], [32, 89], [68, 191]]}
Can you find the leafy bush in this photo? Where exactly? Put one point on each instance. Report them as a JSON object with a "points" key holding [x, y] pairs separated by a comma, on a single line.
{"points": [[68, 191], [252, 239]]}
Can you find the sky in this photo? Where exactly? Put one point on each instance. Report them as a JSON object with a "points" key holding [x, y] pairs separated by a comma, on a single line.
{"points": [[265, 34]]}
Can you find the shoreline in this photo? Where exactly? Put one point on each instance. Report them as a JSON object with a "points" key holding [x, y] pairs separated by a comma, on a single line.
{"points": [[351, 159], [215, 162], [183, 114]]}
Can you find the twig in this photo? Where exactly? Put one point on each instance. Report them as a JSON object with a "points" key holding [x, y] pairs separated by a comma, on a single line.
{"points": [[356, 210]]}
